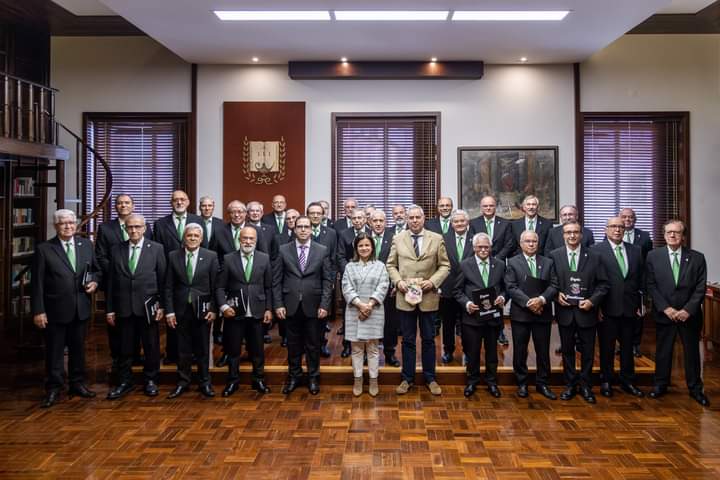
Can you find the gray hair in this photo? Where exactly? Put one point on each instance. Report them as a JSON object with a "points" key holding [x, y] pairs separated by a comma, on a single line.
{"points": [[62, 213], [193, 226], [568, 206], [416, 207], [207, 197], [136, 215], [356, 211], [527, 233], [460, 212], [377, 213], [481, 236], [236, 203]]}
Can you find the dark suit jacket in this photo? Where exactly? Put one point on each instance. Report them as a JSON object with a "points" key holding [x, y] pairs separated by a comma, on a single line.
{"points": [[542, 227], [516, 274], [127, 292], [446, 289], [166, 234], [433, 224], [689, 293], [269, 220], [204, 281], [311, 288], [387, 239], [266, 240], [212, 242], [503, 242], [341, 224], [469, 279], [257, 292], [642, 239], [345, 250], [592, 272], [109, 234], [556, 240], [329, 238], [56, 289], [624, 295]]}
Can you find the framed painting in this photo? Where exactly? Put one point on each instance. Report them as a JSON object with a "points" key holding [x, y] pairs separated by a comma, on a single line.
{"points": [[509, 174]]}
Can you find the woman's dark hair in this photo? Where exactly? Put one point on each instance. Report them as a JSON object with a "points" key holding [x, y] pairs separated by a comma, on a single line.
{"points": [[362, 236]]}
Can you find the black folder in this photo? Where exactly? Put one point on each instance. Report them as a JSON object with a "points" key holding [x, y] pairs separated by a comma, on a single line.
{"points": [[485, 299], [204, 305], [152, 305], [534, 287]]}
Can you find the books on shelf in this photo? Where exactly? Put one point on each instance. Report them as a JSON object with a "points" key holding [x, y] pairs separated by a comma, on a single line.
{"points": [[16, 269], [24, 186], [22, 245], [22, 216]]}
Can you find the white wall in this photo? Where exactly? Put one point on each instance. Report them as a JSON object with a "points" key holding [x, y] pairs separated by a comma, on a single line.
{"points": [[665, 73], [510, 105]]}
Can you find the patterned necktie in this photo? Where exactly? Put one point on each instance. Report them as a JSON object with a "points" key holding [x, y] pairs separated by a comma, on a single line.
{"points": [[416, 245], [248, 267], [531, 225], [180, 227], [132, 263], [531, 264], [445, 223], [573, 265], [70, 252], [236, 237], [460, 247], [316, 231], [621, 260], [489, 227], [675, 267], [302, 258], [123, 232], [484, 272]]}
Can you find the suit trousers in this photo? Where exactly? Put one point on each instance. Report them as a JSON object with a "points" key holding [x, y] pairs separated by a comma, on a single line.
{"points": [[585, 339], [57, 336], [251, 329], [150, 338], [610, 331], [540, 333], [390, 330], [638, 325], [409, 327], [193, 336], [304, 335], [473, 338], [689, 333], [450, 311], [171, 345], [115, 343]]}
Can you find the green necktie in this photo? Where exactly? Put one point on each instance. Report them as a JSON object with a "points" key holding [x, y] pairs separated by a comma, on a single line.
{"points": [[248, 267], [189, 267], [621, 260], [70, 252], [489, 227], [573, 265], [378, 245], [236, 237], [531, 225], [484, 272], [180, 226], [445, 223], [280, 223], [460, 247], [123, 232], [316, 231], [531, 264], [675, 267], [627, 237], [132, 263]]}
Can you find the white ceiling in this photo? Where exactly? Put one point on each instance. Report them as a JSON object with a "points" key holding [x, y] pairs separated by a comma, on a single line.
{"points": [[193, 32]]}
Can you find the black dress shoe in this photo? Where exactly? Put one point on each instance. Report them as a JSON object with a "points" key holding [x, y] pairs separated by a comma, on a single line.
{"points": [[657, 392], [446, 357], [346, 350], [259, 386], [222, 361], [120, 391], [631, 389], [700, 398], [230, 388], [522, 391], [291, 385], [587, 395], [179, 390], [636, 351], [606, 390], [206, 390], [151, 389], [169, 361], [545, 391], [469, 390], [267, 339], [81, 391], [391, 361], [50, 399], [314, 387], [283, 343], [341, 331], [325, 351], [494, 391], [569, 393]]}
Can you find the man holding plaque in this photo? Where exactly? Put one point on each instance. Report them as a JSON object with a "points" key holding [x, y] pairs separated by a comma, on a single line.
{"points": [[530, 284], [582, 284], [480, 291], [189, 308], [417, 264]]}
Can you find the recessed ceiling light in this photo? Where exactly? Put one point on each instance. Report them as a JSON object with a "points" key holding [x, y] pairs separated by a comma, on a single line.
{"points": [[343, 59], [255, 59], [392, 15], [510, 15], [245, 15], [433, 60], [523, 59]]}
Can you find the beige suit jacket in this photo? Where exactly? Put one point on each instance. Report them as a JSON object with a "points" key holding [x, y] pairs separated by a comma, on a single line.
{"points": [[432, 264]]}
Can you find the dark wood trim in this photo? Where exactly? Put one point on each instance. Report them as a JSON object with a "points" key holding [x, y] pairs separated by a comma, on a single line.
{"points": [[191, 163], [705, 21], [10, 146], [579, 141], [385, 70]]}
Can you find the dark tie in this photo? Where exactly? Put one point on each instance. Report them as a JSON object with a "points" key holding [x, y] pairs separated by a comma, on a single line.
{"points": [[302, 258], [416, 246]]}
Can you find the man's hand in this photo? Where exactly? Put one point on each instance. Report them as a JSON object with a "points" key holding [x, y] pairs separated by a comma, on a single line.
{"points": [[472, 308], [159, 314], [91, 287], [267, 317], [562, 299], [281, 312], [229, 312], [500, 301], [402, 286], [682, 315], [110, 319], [427, 286], [40, 320], [535, 304], [322, 313], [210, 316], [171, 320], [585, 305], [670, 313]]}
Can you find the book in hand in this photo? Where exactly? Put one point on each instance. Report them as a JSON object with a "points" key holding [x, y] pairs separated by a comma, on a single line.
{"points": [[88, 276], [484, 298], [534, 287], [576, 291], [236, 300], [204, 305], [152, 305]]}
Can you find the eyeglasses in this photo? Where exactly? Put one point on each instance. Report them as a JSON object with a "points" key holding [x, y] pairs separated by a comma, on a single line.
{"points": [[673, 232], [133, 227], [302, 226], [66, 224]]}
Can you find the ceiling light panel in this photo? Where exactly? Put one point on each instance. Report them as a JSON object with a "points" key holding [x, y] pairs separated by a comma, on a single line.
{"points": [[391, 15], [287, 15], [509, 15]]}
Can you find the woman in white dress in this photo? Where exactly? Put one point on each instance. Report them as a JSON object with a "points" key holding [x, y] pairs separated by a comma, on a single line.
{"points": [[364, 285]]}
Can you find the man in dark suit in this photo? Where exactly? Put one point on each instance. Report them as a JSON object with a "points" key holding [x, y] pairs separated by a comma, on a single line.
{"points": [[531, 312], [64, 275], [168, 232], [287, 236], [582, 285], [676, 282], [134, 285], [441, 224], [399, 218], [531, 221], [555, 239], [639, 238], [276, 218], [382, 238], [326, 221], [480, 272], [302, 291], [345, 222], [245, 297], [211, 226], [458, 243], [624, 267], [190, 284], [110, 234]]}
